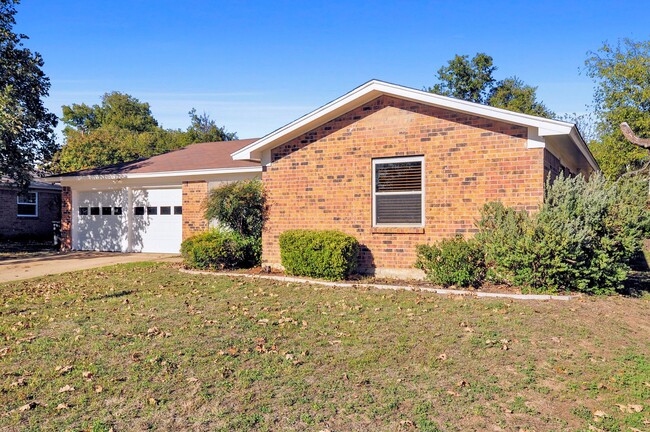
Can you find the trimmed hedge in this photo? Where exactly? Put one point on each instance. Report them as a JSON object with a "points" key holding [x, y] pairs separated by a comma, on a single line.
{"points": [[452, 262], [218, 249], [323, 254]]}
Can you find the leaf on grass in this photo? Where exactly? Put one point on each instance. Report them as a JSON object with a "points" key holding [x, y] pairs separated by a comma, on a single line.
{"points": [[66, 388], [442, 357], [87, 375], [153, 401], [62, 406], [28, 406], [18, 383], [63, 369]]}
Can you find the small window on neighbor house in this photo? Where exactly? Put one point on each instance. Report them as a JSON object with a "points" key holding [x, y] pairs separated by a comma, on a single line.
{"points": [[178, 210], [83, 211], [138, 211], [398, 191], [106, 211], [27, 204], [117, 211], [165, 210], [94, 211], [152, 210]]}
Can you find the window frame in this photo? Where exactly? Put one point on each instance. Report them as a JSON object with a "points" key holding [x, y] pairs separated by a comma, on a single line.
{"points": [[422, 192], [35, 204]]}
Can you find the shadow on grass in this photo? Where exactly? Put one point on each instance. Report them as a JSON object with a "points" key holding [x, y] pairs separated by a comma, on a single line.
{"points": [[112, 295]]}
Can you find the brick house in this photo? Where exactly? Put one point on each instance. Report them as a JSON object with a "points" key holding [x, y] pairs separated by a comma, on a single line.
{"points": [[397, 167], [29, 215], [392, 166]]}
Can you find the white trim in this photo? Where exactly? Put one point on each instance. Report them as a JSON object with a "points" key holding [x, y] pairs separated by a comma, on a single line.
{"points": [[35, 204], [375, 88], [384, 160], [160, 174]]}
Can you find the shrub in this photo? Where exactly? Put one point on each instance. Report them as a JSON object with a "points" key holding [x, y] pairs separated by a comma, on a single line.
{"points": [[323, 254], [239, 206], [218, 249], [582, 239], [452, 262]]}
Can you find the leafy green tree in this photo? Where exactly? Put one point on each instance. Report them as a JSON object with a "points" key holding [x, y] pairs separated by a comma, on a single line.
{"points": [[622, 76], [473, 80], [466, 79], [122, 128], [204, 129], [514, 95], [26, 126]]}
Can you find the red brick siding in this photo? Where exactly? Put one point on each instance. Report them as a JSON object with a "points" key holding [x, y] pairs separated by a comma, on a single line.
{"points": [[322, 179], [195, 194], [17, 227], [66, 218]]}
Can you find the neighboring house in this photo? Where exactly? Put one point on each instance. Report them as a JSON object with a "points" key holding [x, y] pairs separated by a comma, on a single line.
{"points": [[29, 215], [393, 166]]}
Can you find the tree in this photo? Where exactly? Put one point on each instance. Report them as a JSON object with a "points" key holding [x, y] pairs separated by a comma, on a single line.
{"points": [[466, 79], [473, 80], [203, 129], [26, 126], [622, 76], [512, 94], [121, 129]]}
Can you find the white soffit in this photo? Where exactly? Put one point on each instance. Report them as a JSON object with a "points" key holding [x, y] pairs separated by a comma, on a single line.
{"points": [[538, 127]]}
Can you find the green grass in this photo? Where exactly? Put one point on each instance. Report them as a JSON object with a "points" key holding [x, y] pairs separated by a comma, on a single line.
{"points": [[176, 351]]}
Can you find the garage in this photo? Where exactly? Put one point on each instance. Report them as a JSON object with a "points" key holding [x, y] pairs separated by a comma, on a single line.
{"points": [[128, 220]]}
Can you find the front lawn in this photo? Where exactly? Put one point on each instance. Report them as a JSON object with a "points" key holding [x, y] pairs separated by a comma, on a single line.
{"points": [[142, 346]]}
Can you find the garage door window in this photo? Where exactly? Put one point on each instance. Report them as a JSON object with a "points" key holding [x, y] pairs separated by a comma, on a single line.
{"points": [[152, 210], [27, 204], [83, 211], [398, 191], [138, 211], [165, 210], [117, 211], [106, 211], [178, 210], [94, 211]]}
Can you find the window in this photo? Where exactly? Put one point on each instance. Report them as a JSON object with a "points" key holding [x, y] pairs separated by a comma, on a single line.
{"points": [[152, 210], [398, 191], [94, 211], [138, 211], [83, 211], [165, 210], [27, 204], [106, 211], [178, 210], [117, 211]]}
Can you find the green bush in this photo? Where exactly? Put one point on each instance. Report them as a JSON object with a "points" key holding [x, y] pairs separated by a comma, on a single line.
{"points": [[322, 254], [239, 206], [452, 262], [218, 249], [582, 239]]}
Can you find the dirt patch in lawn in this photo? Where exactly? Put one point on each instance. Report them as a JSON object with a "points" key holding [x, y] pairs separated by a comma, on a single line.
{"points": [[142, 346]]}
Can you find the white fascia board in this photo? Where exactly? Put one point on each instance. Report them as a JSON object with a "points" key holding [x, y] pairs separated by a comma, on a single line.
{"points": [[373, 89], [189, 173]]}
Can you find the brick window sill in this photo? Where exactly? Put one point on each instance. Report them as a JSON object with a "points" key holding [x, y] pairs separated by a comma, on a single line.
{"points": [[397, 230]]}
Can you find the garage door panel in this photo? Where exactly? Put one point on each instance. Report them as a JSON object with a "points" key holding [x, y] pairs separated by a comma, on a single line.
{"points": [[155, 230], [104, 224], [102, 221]]}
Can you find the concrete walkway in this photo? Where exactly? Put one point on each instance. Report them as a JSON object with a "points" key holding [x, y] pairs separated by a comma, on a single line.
{"points": [[441, 291], [55, 263]]}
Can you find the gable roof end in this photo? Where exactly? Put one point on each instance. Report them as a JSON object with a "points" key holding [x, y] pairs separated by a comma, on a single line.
{"points": [[538, 127]]}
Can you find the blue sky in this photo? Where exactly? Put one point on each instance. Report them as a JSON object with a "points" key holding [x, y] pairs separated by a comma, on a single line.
{"points": [[255, 66]]}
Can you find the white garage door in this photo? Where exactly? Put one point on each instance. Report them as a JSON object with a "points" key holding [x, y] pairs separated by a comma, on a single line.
{"points": [[150, 220]]}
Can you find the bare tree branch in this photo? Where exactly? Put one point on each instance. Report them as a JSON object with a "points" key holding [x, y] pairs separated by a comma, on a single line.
{"points": [[627, 132]]}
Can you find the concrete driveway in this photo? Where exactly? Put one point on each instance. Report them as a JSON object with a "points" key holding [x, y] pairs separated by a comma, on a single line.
{"points": [[42, 265]]}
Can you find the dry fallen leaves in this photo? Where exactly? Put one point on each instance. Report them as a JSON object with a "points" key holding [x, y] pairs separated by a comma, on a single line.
{"points": [[66, 388], [630, 408], [62, 406], [63, 369]]}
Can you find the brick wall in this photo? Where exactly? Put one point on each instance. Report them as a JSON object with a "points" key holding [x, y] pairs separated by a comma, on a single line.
{"points": [[195, 194], [66, 218], [553, 166], [322, 179], [17, 227]]}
